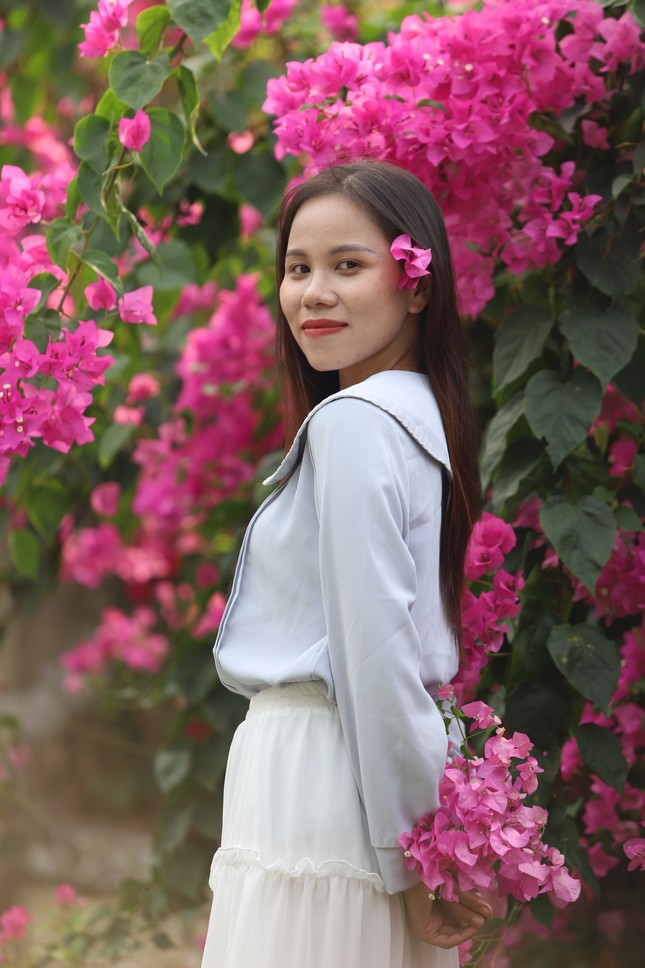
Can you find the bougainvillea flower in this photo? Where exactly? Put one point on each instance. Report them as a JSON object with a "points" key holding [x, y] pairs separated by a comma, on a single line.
{"points": [[134, 132], [136, 306], [100, 295], [415, 261]]}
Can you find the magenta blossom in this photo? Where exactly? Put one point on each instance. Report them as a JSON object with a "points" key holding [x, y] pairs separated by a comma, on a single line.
{"points": [[635, 852], [14, 922], [105, 498], [21, 200], [340, 23], [100, 295], [136, 307], [483, 715], [415, 261], [492, 538], [141, 387], [134, 132], [484, 836]]}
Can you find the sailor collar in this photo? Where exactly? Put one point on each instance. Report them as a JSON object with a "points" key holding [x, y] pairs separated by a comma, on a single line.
{"points": [[405, 395]]}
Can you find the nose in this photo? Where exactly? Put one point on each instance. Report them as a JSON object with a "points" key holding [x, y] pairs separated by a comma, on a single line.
{"points": [[318, 290]]}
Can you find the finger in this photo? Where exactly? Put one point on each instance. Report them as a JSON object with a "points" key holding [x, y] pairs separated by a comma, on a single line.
{"points": [[474, 901], [449, 937], [460, 914]]}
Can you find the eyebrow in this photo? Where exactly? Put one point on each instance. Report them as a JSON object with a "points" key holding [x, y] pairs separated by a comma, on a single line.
{"points": [[336, 250]]}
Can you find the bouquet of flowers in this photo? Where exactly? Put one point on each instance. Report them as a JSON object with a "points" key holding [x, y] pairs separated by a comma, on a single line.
{"points": [[484, 836]]}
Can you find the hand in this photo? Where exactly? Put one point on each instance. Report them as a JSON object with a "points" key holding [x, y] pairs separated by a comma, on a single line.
{"points": [[444, 924]]}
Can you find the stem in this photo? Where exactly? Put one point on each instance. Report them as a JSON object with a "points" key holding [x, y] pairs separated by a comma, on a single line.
{"points": [[87, 234]]}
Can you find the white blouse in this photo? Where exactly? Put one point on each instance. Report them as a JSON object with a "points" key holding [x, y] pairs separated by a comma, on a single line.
{"points": [[338, 581]]}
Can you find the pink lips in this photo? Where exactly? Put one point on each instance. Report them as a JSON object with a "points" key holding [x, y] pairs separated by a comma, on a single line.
{"points": [[322, 327]]}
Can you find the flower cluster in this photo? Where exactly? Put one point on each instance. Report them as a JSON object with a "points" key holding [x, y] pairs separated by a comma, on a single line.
{"points": [[125, 638], [13, 925], [253, 23], [103, 28], [612, 819], [44, 392], [340, 23], [483, 835], [487, 605], [183, 474], [456, 102]]}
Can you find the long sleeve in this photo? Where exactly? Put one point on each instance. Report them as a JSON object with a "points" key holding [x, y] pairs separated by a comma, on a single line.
{"points": [[362, 459]]}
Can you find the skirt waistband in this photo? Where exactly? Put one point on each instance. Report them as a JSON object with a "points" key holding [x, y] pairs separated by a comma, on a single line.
{"points": [[304, 695]]}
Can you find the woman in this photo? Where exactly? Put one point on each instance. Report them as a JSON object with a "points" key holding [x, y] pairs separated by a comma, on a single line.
{"points": [[343, 619]]}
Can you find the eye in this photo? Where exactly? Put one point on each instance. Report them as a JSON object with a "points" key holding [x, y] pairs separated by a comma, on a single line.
{"points": [[297, 269], [348, 264]]}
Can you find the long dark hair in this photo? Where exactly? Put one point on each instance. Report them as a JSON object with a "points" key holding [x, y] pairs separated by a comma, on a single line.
{"points": [[400, 204]]}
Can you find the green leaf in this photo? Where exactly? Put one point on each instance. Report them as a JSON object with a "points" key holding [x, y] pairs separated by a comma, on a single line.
{"points": [[602, 752], [161, 939], [542, 910], [62, 235], [582, 534], [135, 80], [186, 871], [171, 767], [112, 441], [575, 854], [40, 326], [199, 18], [630, 379], [151, 26], [218, 41], [162, 154], [619, 184], [24, 550], [604, 340], [102, 264], [638, 10], [638, 475], [140, 234], [110, 107], [495, 435], [562, 410], [260, 179], [519, 460], [609, 261], [176, 267], [90, 186], [627, 519], [518, 341], [73, 199], [190, 101], [90, 141], [540, 711], [46, 283], [588, 660], [48, 502], [11, 45]]}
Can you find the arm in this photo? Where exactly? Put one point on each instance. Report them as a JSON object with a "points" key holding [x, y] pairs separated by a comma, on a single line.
{"points": [[396, 738]]}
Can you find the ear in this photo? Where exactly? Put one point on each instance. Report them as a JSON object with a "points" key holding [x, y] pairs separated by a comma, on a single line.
{"points": [[420, 296]]}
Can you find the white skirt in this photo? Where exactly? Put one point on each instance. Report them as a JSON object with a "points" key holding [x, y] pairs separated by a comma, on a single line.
{"points": [[295, 882]]}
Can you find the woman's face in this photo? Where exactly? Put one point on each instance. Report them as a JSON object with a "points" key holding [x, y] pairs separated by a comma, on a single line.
{"points": [[340, 293]]}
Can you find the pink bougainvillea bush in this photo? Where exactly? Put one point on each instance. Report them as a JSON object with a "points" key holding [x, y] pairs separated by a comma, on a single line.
{"points": [[455, 101], [139, 179]]}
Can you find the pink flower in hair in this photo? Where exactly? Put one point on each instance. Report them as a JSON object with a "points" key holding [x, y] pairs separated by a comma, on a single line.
{"points": [[415, 261]]}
